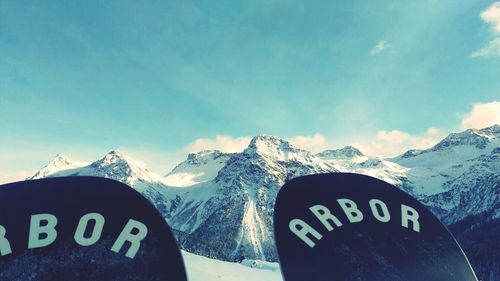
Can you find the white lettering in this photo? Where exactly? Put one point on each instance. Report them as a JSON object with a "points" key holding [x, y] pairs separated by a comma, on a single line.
{"points": [[4, 243], [351, 210], [410, 214], [385, 216], [134, 239], [378, 208], [324, 215], [302, 229], [36, 229], [96, 231]]}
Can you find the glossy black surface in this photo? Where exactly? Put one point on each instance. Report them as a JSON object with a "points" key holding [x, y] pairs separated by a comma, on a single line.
{"points": [[69, 199], [369, 249]]}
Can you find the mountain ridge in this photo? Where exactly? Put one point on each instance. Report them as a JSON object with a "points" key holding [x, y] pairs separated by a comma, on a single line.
{"points": [[228, 198]]}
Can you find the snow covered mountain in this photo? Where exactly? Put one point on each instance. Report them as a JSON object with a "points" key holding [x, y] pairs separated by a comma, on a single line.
{"points": [[230, 199], [460, 175], [199, 167], [59, 163], [234, 210], [346, 153], [350, 159], [116, 165], [221, 205]]}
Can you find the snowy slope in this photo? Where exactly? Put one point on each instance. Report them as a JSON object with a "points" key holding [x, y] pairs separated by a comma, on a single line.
{"points": [[432, 169], [350, 159], [204, 269], [198, 168], [475, 191]]}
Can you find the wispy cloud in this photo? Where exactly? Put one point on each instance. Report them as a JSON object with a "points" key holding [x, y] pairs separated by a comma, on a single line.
{"points": [[380, 47], [223, 143], [315, 143], [394, 142], [491, 16], [482, 115], [492, 49]]}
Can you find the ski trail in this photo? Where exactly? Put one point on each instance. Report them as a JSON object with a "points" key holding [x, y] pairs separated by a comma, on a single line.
{"points": [[253, 224]]}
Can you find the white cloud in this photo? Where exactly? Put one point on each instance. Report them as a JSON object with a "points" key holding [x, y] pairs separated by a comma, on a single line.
{"points": [[492, 16], [492, 49], [316, 143], [223, 143], [395, 142], [482, 115], [380, 47]]}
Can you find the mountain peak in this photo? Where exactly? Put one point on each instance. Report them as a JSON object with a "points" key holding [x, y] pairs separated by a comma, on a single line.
{"points": [[265, 138], [117, 153], [118, 166], [269, 145], [409, 154], [204, 156], [116, 156], [352, 149], [58, 163], [493, 131], [199, 167], [470, 137], [482, 139], [347, 152]]}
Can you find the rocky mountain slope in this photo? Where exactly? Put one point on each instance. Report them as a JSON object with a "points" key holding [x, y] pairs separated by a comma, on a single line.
{"points": [[221, 205], [237, 205]]}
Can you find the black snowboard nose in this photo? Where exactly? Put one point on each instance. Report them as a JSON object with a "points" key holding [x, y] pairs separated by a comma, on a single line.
{"points": [[346, 227], [83, 228]]}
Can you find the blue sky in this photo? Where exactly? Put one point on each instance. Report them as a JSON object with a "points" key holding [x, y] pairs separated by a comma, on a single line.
{"points": [[158, 79]]}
